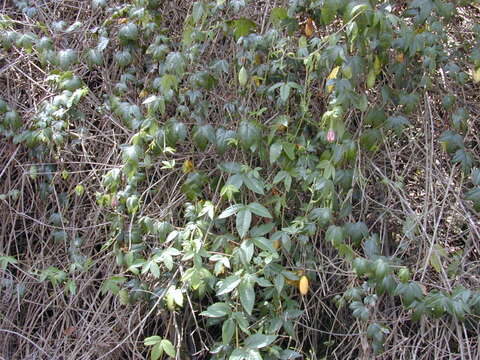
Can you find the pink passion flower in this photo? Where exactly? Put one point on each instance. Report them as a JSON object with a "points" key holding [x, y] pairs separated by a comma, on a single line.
{"points": [[331, 136]]}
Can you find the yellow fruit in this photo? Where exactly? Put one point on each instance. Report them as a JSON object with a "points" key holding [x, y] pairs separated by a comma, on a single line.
{"points": [[303, 285], [277, 244]]}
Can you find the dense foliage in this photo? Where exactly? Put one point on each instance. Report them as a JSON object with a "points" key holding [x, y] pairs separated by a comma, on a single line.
{"points": [[258, 181]]}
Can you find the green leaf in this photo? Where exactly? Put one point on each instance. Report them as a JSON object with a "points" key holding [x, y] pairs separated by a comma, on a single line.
{"points": [[409, 292], [198, 11], [410, 227], [264, 244], [249, 135], [451, 141], [152, 340], [473, 195], [154, 269], [259, 209], [360, 101], [354, 9], [262, 229], [382, 268], [228, 329], [253, 354], [360, 311], [203, 135], [247, 295], [167, 346], [231, 210], [128, 32], [475, 176], [123, 58], [175, 63], [243, 221], [275, 151], [228, 285], [322, 216], [459, 118], [157, 352], [397, 123], [66, 58], [285, 92], [216, 310], [222, 139], [288, 354], [132, 204], [464, 158], [371, 139], [357, 231], [277, 15], [253, 183], [376, 117], [258, 341], [371, 246], [5, 260], [239, 354], [243, 27], [335, 234]]}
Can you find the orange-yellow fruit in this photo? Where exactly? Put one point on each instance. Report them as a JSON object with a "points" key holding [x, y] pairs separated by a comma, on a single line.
{"points": [[303, 285]]}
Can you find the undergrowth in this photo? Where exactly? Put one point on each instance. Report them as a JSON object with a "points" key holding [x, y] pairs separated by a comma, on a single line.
{"points": [[239, 180]]}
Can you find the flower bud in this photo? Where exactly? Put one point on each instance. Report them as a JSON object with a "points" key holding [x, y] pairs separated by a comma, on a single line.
{"points": [[331, 136]]}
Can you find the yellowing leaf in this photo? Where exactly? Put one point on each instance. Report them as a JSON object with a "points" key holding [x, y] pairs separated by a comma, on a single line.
{"points": [[399, 57], [420, 30], [371, 79], [259, 58], [436, 257], [377, 65], [476, 75], [143, 94], [257, 80], [242, 76], [188, 167], [122, 20], [277, 244], [309, 28], [333, 75]]}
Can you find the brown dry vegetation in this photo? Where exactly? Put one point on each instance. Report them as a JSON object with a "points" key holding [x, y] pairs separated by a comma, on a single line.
{"points": [[411, 178]]}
